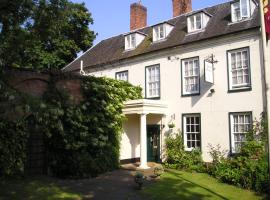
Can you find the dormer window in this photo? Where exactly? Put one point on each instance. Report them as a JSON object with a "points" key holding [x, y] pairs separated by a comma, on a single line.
{"points": [[197, 22], [242, 9], [161, 31], [132, 40]]}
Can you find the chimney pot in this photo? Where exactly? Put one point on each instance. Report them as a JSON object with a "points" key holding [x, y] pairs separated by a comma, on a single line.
{"points": [[181, 7], [138, 16]]}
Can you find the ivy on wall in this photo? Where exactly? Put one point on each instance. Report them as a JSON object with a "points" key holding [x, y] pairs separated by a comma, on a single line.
{"points": [[82, 139]]}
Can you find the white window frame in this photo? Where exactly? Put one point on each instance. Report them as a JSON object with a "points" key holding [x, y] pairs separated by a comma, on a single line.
{"points": [[239, 69], [192, 131], [121, 76], [244, 7], [131, 41], [152, 82], [241, 128], [158, 30], [192, 22], [191, 74]]}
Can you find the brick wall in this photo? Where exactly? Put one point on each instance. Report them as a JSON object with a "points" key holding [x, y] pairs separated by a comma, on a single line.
{"points": [[138, 16], [181, 7]]}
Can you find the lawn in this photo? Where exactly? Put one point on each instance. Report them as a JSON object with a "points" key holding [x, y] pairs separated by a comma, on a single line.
{"points": [[191, 186], [34, 189]]}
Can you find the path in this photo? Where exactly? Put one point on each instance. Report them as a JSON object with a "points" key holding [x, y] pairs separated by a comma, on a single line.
{"points": [[116, 185]]}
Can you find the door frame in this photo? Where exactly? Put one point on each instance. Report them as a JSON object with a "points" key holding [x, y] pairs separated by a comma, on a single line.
{"points": [[158, 126]]}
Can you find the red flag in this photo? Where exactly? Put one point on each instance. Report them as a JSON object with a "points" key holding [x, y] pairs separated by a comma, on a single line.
{"points": [[267, 22]]}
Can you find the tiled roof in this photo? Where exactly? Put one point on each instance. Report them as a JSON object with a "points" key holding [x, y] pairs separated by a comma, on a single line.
{"points": [[113, 49]]}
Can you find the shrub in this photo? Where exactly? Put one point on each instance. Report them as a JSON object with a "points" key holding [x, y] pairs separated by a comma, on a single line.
{"points": [[82, 140], [248, 168], [158, 170], [178, 158]]}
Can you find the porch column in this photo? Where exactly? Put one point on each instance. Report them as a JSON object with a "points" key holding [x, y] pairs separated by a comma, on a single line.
{"points": [[143, 139]]}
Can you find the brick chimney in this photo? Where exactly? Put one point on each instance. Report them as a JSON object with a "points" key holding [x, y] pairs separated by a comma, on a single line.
{"points": [[181, 7], [138, 16]]}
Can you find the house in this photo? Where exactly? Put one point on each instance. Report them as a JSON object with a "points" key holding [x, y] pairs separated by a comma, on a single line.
{"points": [[201, 71]]}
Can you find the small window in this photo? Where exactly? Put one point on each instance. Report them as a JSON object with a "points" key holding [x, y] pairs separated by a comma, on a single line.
{"points": [[122, 76], [130, 41], [153, 81], [241, 10], [197, 22], [240, 124], [192, 131], [239, 69], [159, 32], [190, 76]]}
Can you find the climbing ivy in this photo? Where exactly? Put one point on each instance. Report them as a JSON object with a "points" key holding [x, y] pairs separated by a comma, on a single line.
{"points": [[82, 139]]}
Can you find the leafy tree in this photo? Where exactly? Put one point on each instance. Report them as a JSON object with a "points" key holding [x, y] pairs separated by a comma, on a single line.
{"points": [[43, 34]]}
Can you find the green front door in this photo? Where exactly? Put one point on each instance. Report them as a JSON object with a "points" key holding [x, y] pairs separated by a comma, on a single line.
{"points": [[153, 143]]}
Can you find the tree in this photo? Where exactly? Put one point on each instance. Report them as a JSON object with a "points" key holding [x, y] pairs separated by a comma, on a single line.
{"points": [[43, 34]]}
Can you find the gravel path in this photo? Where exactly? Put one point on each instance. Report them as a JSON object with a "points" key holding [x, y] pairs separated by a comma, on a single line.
{"points": [[116, 185]]}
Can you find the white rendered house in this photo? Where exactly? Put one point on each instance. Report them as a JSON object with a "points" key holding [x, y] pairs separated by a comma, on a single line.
{"points": [[201, 70]]}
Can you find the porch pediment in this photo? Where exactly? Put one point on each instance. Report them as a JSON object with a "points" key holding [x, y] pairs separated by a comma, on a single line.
{"points": [[146, 106]]}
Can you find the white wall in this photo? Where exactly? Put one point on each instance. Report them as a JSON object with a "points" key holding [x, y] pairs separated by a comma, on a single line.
{"points": [[213, 108]]}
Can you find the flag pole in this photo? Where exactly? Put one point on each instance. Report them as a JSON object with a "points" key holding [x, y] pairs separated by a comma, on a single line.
{"points": [[266, 72]]}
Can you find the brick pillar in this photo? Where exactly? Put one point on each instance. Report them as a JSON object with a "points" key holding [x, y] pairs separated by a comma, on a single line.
{"points": [[138, 16], [181, 7]]}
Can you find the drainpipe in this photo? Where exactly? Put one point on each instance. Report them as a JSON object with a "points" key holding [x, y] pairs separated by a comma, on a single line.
{"points": [[266, 73]]}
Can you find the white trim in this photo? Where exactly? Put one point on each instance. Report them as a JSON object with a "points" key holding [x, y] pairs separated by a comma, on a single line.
{"points": [[232, 115], [239, 85], [155, 81], [145, 106], [196, 76], [195, 132]]}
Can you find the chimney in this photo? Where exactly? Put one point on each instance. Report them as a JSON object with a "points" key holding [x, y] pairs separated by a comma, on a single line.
{"points": [[138, 16], [181, 7]]}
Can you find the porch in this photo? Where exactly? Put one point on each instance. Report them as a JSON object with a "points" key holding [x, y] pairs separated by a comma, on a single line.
{"points": [[143, 131]]}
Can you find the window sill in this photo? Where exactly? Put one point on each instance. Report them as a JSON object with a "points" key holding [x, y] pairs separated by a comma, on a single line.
{"points": [[190, 95], [128, 50], [160, 40], [153, 98], [195, 32], [240, 21], [245, 89]]}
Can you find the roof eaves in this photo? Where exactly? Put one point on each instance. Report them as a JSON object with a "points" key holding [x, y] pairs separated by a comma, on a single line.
{"points": [[162, 49]]}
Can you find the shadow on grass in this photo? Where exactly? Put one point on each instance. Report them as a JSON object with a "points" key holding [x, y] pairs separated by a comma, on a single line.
{"points": [[193, 184], [40, 188], [187, 186]]}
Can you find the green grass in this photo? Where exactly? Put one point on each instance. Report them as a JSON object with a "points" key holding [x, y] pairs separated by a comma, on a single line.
{"points": [[184, 186], [34, 189]]}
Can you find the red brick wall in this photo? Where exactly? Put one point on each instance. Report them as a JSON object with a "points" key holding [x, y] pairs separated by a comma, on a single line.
{"points": [[138, 16], [36, 84], [181, 7]]}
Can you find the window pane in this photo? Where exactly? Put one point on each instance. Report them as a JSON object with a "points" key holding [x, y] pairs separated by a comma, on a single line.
{"points": [[239, 68], [198, 21], [192, 131], [153, 81], [192, 23], [241, 124], [191, 75], [245, 8]]}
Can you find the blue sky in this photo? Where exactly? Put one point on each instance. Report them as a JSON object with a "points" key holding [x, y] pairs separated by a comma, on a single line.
{"points": [[111, 17]]}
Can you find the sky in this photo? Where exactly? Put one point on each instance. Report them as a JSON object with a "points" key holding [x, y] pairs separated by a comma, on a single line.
{"points": [[112, 17]]}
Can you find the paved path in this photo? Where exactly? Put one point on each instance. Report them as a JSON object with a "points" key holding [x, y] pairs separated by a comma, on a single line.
{"points": [[116, 185]]}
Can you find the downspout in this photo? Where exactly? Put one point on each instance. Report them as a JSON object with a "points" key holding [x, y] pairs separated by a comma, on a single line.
{"points": [[266, 73]]}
